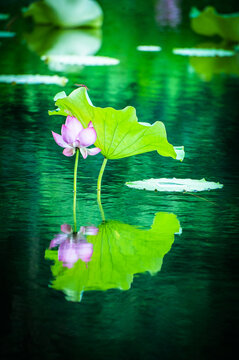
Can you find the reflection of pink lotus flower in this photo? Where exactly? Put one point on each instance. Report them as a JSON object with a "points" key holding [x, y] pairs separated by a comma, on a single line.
{"points": [[73, 246], [73, 136], [168, 13], [89, 230]]}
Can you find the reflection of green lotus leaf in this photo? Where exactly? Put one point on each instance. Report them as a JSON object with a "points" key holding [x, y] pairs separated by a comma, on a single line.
{"points": [[119, 134], [63, 49], [65, 13], [48, 41], [209, 23], [207, 67], [120, 251]]}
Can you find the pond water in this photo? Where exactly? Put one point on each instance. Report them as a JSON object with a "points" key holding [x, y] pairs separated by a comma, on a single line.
{"points": [[162, 282]]}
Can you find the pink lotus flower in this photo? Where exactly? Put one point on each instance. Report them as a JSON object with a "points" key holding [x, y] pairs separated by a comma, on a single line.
{"points": [[74, 136], [74, 246]]}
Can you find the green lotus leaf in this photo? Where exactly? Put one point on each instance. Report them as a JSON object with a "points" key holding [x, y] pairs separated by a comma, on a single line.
{"points": [[119, 134], [119, 251]]}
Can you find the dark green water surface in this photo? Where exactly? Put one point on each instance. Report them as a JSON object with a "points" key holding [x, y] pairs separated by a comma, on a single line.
{"points": [[146, 294]]}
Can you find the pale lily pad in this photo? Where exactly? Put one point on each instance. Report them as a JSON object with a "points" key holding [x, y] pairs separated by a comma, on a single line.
{"points": [[203, 52], [7, 34], [174, 185], [150, 48], [119, 134], [79, 60], [33, 79]]}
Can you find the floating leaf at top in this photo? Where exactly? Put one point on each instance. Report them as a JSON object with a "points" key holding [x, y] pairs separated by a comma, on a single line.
{"points": [[119, 134]]}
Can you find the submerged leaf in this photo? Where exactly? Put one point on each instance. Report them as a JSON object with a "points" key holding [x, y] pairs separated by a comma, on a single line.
{"points": [[119, 134], [178, 185], [119, 251]]}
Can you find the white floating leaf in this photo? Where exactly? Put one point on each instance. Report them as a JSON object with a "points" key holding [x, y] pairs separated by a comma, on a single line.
{"points": [[6, 34], [80, 60], [149, 48], [203, 52], [178, 185], [33, 79]]}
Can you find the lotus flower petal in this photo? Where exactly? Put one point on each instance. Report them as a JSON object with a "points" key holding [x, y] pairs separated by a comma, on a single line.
{"points": [[84, 152], [89, 230], [85, 251], [70, 151], [67, 135], [93, 151], [59, 140], [87, 137], [67, 229], [74, 126], [58, 239], [68, 253]]}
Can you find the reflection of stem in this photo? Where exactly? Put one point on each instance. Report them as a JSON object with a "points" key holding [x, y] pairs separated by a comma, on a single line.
{"points": [[200, 197], [99, 188], [75, 180]]}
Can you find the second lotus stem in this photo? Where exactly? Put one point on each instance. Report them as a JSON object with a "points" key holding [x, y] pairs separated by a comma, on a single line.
{"points": [[99, 188]]}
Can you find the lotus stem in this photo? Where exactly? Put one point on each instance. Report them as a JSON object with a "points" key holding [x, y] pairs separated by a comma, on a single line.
{"points": [[99, 188], [75, 181]]}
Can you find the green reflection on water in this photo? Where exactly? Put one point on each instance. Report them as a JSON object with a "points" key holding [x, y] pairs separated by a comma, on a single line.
{"points": [[120, 252]]}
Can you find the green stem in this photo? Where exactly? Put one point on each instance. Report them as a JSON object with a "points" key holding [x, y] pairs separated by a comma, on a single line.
{"points": [[75, 181], [99, 188]]}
